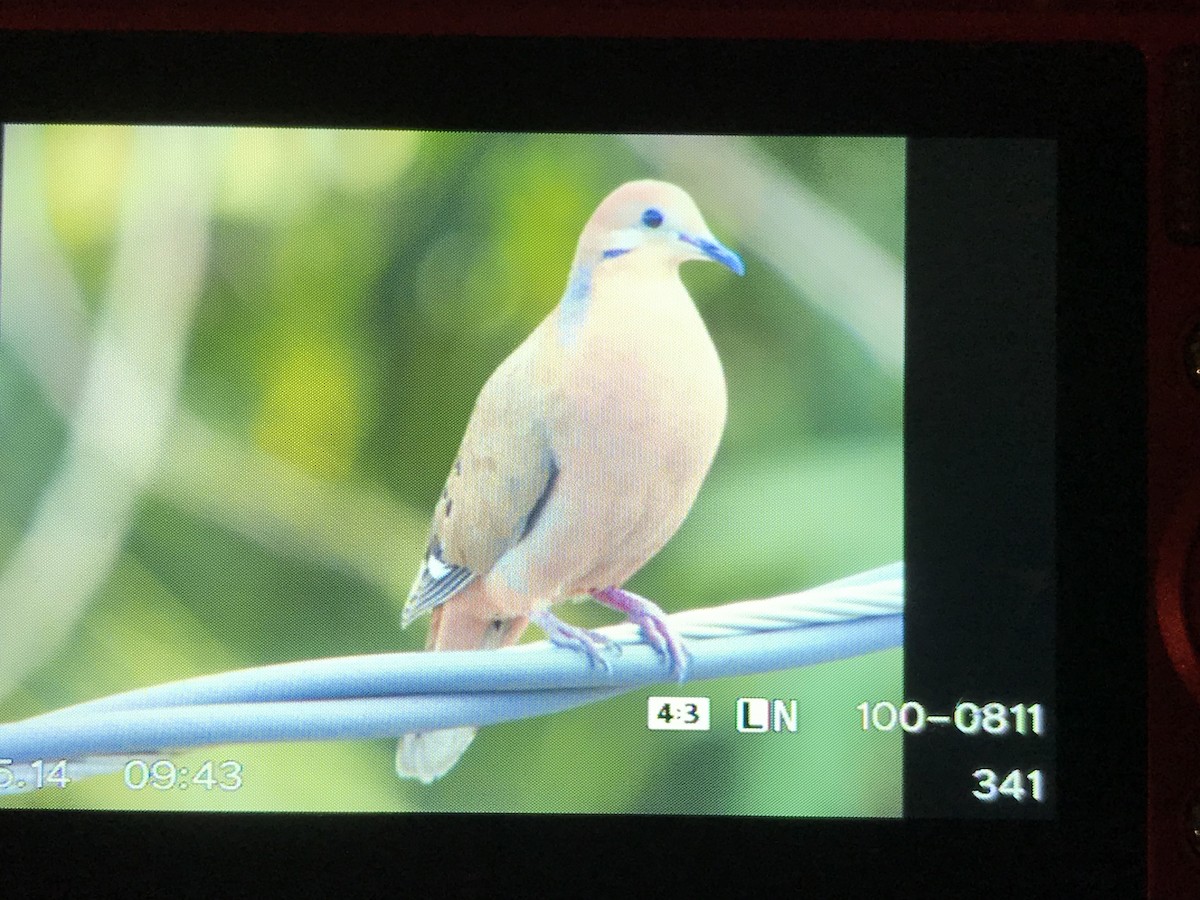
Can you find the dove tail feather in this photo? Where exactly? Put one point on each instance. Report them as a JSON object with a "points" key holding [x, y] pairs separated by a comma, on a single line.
{"points": [[428, 755]]}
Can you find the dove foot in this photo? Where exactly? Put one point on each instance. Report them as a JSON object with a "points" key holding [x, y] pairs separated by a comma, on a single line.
{"points": [[563, 634], [649, 616]]}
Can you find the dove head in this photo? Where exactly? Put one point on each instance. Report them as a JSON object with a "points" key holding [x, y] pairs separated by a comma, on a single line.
{"points": [[654, 219]]}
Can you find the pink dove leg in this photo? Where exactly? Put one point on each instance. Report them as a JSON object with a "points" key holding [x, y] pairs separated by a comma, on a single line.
{"points": [[648, 616], [563, 634]]}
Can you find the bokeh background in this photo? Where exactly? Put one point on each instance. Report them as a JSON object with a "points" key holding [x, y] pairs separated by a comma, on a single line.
{"points": [[235, 366]]}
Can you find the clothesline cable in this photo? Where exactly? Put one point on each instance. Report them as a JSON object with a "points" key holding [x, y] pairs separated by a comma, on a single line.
{"points": [[390, 694]]}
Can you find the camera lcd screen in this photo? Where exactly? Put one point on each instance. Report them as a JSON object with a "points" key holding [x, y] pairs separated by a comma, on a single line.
{"points": [[236, 365], [278, 314]]}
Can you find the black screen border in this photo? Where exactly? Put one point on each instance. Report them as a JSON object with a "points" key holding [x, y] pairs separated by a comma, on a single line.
{"points": [[1089, 98], [980, 409]]}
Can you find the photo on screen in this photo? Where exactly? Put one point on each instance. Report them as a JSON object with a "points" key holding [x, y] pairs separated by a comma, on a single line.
{"points": [[236, 365]]}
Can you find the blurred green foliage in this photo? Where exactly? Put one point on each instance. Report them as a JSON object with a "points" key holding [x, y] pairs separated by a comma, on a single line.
{"points": [[358, 289]]}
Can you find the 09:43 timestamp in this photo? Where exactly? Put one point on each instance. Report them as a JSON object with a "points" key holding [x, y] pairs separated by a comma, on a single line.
{"points": [[165, 775], [161, 774]]}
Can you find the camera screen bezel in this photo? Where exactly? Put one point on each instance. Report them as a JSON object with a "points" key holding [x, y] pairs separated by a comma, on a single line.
{"points": [[1088, 98]]}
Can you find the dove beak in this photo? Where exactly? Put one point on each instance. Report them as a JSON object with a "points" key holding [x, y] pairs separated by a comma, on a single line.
{"points": [[717, 252]]}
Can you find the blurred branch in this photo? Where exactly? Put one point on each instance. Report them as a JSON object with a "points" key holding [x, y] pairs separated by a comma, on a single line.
{"points": [[231, 482], [125, 394], [392, 694], [813, 245]]}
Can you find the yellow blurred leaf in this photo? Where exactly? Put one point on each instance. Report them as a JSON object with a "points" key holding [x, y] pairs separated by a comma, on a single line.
{"points": [[311, 412], [86, 168]]}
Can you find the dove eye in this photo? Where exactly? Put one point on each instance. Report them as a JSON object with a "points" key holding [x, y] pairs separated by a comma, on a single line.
{"points": [[652, 218]]}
